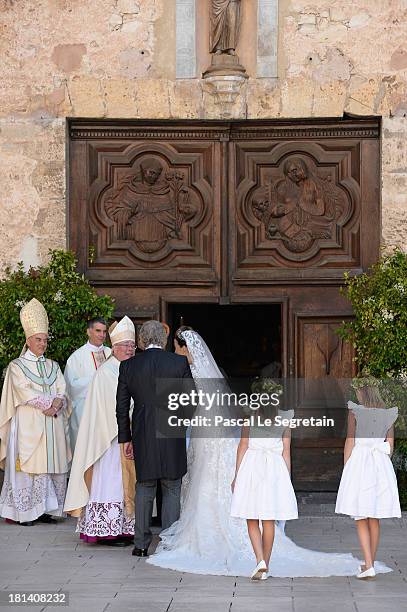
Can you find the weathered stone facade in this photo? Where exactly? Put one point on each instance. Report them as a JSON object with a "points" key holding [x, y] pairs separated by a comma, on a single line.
{"points": [[116, 59]]}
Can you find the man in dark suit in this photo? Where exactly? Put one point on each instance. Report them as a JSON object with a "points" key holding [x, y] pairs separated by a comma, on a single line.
{"points": [[158, 457]]}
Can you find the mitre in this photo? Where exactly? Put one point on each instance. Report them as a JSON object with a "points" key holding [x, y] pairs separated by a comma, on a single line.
{"points": [[34, 318], [122, 331]]}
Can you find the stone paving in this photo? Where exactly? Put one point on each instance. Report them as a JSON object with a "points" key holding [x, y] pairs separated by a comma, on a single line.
{"points": [[101, 579]]}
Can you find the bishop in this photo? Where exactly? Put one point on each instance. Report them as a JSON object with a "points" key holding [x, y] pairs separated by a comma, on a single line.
{"points": [[34, 442]]}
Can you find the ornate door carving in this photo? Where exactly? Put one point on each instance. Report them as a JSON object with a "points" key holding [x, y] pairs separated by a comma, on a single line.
{"points": [[150, 204], [299, 197], [155, 197]]}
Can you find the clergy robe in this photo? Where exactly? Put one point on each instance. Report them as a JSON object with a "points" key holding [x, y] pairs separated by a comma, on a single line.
{"points": [[34, 448], [80, 369], [102, 481]]}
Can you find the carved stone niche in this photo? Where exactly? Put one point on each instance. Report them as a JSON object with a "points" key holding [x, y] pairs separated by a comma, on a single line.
{"points": [[297, 212], [147, 211]]}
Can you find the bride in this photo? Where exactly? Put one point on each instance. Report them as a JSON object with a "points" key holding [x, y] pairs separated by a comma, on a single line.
{"points": [[206, 539]]}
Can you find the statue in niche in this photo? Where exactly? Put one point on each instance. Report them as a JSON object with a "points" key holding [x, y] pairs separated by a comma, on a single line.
{"points": [[225, 22], [150, 208], [298, 208]]}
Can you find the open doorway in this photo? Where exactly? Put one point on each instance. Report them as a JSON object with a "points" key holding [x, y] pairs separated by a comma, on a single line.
{"points": [[245, 339]]}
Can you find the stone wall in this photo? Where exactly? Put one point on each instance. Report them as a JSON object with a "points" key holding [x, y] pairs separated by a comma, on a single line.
{"points": [[116, 58]]}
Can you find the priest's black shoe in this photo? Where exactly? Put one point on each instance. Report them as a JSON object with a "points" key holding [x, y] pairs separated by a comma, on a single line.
{"points": [[139, 552], [27, 523], [46, 518]]}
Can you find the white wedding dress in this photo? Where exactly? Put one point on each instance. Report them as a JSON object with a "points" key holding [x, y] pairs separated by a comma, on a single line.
{"points": [[206, 539]]}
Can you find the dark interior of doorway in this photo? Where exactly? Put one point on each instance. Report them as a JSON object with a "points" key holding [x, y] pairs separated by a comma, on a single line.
{"points": [[245, 339]]}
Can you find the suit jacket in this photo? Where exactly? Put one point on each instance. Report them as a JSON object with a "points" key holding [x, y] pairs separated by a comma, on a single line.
{"points": [[157, 452]]}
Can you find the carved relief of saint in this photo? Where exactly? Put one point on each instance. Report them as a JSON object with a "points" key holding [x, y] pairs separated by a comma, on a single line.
{"points": [[299, 208], [225, 20], [150, 208]]}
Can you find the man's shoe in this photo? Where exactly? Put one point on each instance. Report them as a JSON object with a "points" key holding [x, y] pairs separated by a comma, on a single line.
{"points": [[27, 524], [139, 552], [46, 518], [117, 543]]}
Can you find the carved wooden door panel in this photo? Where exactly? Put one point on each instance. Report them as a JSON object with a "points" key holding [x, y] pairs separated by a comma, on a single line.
{"points": [[297, 200], [146, 207], [324, 367]]}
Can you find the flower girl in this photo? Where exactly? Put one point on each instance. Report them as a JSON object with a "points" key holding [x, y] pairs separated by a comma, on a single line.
{"points": [[262, 489], [368, 488]]}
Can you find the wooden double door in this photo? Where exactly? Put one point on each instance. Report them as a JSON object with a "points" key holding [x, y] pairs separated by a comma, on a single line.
{"points": [[232, 213]]}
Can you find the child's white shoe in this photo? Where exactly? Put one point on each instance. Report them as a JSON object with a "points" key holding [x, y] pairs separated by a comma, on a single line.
{"points": [[367, 574], [264, 576], [260, 569]]}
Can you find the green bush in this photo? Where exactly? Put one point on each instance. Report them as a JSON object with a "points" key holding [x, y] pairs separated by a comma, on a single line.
{"points": [[379, 329], [378, 333], [67, 296]]}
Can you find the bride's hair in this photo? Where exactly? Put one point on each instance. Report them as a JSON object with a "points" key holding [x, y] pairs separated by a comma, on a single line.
{"points": [[178, 334]]}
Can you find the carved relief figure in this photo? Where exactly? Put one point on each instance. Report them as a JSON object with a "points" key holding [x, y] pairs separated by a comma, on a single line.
{"points": [[225, 21], [150, 208], [298, 208]]}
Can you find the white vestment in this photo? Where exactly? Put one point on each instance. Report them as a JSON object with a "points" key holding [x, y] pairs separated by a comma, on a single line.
{"points": [[102, 481], [34, 448], [80, 369]]}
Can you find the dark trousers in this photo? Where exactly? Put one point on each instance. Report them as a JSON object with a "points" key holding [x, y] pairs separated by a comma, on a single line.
{"points": [[145, 494]]}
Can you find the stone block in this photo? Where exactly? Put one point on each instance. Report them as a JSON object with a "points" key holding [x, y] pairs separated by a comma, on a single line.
{"points": [[297, 98], [307, 18], [263, 99], [132, 27], [152, 98], [362, 99], [359, 20], [134, 61], [185, 99], [120, 98], [339, 13], [334, 66], [398, 59], [115, 22], [86, 97], [308, 29], [68, 58], [128, 6], [329, 99]]}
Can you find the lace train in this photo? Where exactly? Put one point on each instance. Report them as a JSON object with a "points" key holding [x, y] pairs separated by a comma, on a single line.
{"points": [[206, 540]]}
